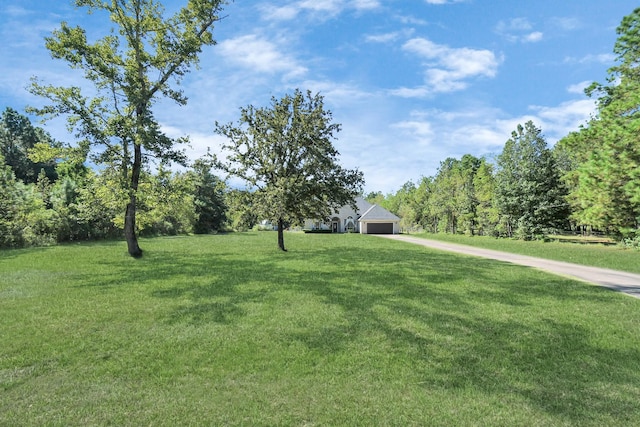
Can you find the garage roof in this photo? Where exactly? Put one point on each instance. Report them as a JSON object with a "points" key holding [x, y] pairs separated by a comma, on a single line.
{"points": [[378, 213]]}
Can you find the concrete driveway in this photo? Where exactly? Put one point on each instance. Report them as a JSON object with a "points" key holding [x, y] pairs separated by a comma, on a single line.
{"points": [[621, 281]]}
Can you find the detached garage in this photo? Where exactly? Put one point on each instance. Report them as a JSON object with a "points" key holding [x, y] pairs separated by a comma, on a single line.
{"points": [[377, 220]]}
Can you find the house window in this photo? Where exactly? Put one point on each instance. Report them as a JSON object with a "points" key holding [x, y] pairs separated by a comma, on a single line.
{"points": [[349, 224]]}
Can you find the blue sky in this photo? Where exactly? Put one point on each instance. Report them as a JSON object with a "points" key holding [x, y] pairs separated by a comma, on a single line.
{"points": [[412, 82]]}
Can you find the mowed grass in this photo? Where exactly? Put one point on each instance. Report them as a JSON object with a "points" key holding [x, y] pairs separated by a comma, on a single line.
{"points": [[593, 254], [341, 330]]}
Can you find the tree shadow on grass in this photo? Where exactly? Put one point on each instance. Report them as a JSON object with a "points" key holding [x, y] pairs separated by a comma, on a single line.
{"points": [[430, 306], [553, 363]]}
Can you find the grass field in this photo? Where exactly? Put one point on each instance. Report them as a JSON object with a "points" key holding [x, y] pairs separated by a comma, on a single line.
{"points": [[594, 254], [341, 330]]}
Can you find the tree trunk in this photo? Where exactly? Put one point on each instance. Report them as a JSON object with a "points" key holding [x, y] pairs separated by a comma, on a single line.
{"points": [[130, 214], [281, 235]]}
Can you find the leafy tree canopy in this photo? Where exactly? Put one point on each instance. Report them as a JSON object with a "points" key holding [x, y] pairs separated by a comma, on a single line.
{"points": [[529, 193], [129, 69], [285, 153], [18, 138]]}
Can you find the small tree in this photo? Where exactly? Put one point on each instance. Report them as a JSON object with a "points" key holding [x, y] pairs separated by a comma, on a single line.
{"points": [[209, 203], [10, 205], [286, 155], [130, 69]]}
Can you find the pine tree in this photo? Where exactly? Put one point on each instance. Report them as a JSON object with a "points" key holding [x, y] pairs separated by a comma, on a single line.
{"points": [[609, 180]]}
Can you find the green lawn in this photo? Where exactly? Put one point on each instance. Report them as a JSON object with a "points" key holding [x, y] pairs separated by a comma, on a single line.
{"points": [[341, 330], [596, 255]]}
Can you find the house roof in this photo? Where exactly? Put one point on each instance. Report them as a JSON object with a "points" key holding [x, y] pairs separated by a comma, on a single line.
{"points": [[378, 213], [361, 204]]}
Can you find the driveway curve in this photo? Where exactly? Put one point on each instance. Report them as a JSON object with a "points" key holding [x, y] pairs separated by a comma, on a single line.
{"points": [[628, 283]]}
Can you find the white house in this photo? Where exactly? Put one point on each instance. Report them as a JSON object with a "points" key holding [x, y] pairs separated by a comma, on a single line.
{"points": [[366, 219]]}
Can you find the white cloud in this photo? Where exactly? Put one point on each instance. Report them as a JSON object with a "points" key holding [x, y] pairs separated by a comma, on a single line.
{"points": [[448, 69], [559, 121], [515, 24], [15, 11], [383, 38], [366, 4], [331, 7], [536, 36], [443, 1], [478, 131], [419, 143], [260, 55], [340, 94], [417, 129], [603, 58], [395, 151], [388, 37], [579, 88], [413, 92], [411, 20], [284, 13], [383, 133], [199, 142], [518, 30], [567, 24], [324, 9]]}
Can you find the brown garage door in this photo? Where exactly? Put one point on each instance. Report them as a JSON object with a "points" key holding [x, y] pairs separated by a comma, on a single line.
{"points": [[380, 228]]}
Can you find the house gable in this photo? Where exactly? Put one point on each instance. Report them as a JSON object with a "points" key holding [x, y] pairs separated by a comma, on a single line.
{"points": [[378, 220], [378, 213]]}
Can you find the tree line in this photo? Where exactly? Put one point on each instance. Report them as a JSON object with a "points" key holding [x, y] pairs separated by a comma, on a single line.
{"points": [[589, 181], [520, 195], [284, 153], [64, 200]]}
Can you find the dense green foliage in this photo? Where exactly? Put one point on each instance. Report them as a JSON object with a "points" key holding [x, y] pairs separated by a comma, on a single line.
{"points": [[81, 204], [129, 69], [209, 199], [460, 198], [529, 195], [346, 330], [605, 174], [286, 155], [17, 138]]}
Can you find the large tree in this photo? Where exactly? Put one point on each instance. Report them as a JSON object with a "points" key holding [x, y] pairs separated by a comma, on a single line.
{"points": [[129, 69], [608, 182], [529, 194], [285, 153]]}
